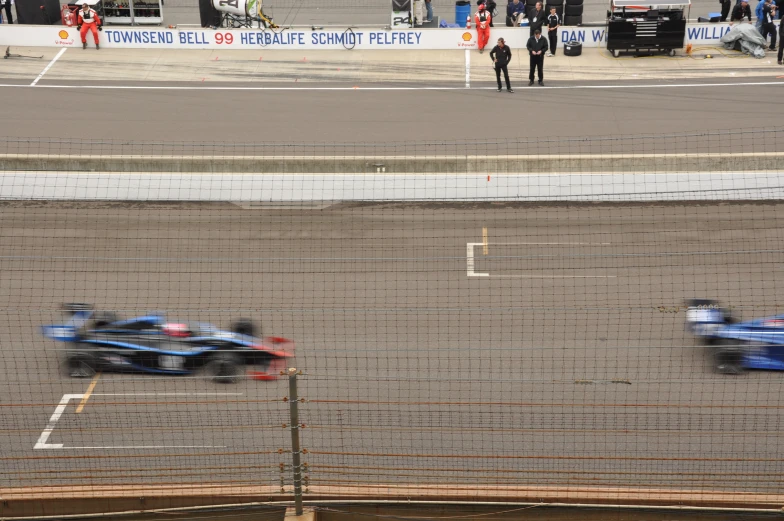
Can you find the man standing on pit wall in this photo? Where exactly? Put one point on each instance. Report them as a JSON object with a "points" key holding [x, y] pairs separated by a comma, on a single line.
{"points": [[781, 40], [726, 5], [501, 56], [741, 10], [553, 23], [88, 21], [429, 9], [6, 5], [536, 18], [537, 46], [768, 27], [758, 13], [482, 19]]}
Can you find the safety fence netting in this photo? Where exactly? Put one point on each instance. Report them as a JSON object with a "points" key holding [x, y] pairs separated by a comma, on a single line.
{"points": [[500, 349], [742, 142]]}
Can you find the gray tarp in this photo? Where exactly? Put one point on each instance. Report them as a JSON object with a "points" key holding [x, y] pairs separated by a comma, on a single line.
{"points": [[750, 40]]}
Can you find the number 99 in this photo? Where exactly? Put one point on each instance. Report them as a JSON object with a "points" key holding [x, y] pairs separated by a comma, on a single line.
{"points": [[227, 38]]}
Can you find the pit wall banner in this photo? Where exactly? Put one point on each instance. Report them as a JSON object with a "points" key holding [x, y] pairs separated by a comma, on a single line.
{"points": [[294, 39]]}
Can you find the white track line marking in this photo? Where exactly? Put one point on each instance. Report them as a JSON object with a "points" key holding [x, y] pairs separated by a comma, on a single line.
{"points": [[60, 409], [468, 69], [360, 89], [553, 276], [147, 447], [167, 394], [471, 262], [62, 51], [42, 440]]}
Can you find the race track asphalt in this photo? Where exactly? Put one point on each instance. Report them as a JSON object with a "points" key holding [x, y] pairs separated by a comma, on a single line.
{"points": [[567, 365], [392, 118]]}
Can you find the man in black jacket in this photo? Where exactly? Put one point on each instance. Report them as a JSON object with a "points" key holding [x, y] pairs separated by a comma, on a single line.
{"points": [[768, 27], [536, 18], [537, 46], [501, 56], [741, 10], [781, 41]]}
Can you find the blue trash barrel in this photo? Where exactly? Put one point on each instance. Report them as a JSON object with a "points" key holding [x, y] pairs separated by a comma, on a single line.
{"points": [[462, 11]]}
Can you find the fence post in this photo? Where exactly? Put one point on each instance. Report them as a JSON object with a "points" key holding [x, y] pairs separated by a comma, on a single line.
{"points": [[293, 406]]}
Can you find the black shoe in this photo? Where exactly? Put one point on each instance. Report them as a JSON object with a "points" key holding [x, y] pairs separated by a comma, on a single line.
{"points": [[771, 48], [84, 45], [780, 62], [541, 83], [499, 89], [510, 91], [97, 46], [530, 83]]}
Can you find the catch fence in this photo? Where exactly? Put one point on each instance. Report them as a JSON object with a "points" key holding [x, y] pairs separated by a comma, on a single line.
{"points": [[499, 349]]}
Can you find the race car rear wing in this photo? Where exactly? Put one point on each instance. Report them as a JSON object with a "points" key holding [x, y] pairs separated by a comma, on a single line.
{"points": [[704, 317], [68, 332]]}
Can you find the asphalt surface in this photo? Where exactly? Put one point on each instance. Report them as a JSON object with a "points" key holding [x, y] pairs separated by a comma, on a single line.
{"points": [[568, 365], [392, 121]]}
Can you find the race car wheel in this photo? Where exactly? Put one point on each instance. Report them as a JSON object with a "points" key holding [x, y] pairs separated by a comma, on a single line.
{"points": [[80, 366], [224, 367], [244, 326], [728, 356]]}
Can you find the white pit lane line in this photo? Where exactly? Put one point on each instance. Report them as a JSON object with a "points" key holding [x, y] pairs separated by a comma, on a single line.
{"points": [[381, 88], [35, 81], [471, 261], [43, 440]]}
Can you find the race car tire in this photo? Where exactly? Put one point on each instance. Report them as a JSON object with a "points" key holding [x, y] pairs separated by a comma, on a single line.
{"points": [[80, 365], [243, 326], [728, 357], [224, 367], [104, 318]]}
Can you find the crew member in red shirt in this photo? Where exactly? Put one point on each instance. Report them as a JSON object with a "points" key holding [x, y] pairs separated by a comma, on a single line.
{"points": [[88, 21], [483, 18]]}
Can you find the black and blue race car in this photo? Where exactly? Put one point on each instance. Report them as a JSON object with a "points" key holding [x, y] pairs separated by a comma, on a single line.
{"points": [[737, 346], [101, 341]]}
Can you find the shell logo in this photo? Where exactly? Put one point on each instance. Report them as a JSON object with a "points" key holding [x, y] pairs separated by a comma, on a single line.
{"points": [[467, 37], [63, 34]]}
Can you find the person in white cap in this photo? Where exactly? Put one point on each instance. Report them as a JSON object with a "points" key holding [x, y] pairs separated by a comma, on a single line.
{"points": [[88, 21]]}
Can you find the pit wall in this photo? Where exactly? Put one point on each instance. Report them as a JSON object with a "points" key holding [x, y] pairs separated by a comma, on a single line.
{"points": [[293, 39]]}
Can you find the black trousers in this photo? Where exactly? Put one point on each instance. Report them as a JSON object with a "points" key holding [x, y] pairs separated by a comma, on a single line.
{"points": [[553, 37], [537, 62], [498, 69], [9, 18], [769, 29], [725, 10], [781, 39]]}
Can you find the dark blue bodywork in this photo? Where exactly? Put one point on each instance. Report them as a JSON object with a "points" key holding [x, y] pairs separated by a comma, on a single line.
{"points": [[149, 344], [759, 342]]}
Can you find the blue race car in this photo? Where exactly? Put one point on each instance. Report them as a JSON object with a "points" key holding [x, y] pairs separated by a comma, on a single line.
{"points": [[151, 344], [737, 346]]}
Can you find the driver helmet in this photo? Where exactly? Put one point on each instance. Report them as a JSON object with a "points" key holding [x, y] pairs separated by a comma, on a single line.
{"points": [[176, 330]]}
